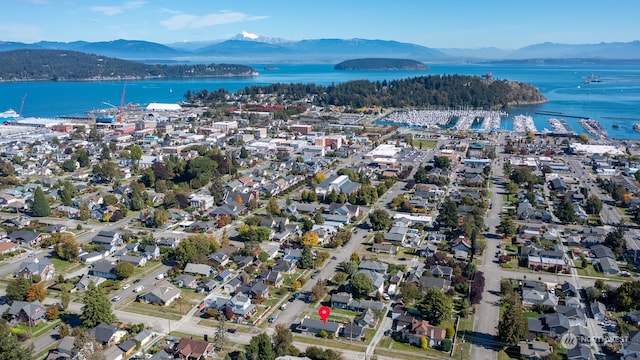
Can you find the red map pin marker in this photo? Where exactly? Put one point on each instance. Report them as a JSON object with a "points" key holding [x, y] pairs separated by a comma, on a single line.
{"points": [[324, 313]]}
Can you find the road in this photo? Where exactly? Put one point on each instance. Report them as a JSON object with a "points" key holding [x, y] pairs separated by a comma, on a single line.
{"points": [[487, 314]]}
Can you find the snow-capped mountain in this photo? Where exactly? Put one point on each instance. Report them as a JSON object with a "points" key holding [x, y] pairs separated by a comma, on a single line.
{"points": [[247, 36]]}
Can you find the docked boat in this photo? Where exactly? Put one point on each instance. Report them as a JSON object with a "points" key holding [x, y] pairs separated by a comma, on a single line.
{"points": [[103, 117]]}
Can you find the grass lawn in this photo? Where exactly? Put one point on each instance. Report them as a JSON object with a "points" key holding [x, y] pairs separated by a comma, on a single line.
{"points": [[179, 334], [151, 310], [419, 351], [342, 344], [424, 143], [63, 266]]}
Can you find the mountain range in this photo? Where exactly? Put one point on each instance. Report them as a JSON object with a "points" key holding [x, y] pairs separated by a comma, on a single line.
{"points": [[252, 48]]}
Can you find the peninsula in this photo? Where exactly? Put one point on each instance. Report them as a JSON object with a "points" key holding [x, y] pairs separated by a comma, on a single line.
{"points": [[381, 64], [64, 65]]}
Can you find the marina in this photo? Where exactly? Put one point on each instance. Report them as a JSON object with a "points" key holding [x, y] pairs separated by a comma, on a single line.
{"points": [[594, 128], [524, 123], [486, 120], [560, 126]]}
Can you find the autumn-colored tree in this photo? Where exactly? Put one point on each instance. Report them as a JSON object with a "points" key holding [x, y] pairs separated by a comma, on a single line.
{"points": [[310, 238], [36, 292], [52, 312], [239, 199]]}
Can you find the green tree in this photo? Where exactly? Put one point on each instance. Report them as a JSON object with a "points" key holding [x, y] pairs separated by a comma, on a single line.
{"points": [[513, 325], [361, 285], [448, 216], [85, 212], [65, 299], [409, 291], [442, 162], [136, 154], [435, 306], [195, 249], [593, 205], [306, 261], [380, 220], [615, 239], [97, 307], [220, 336], [160, 217], [124, 269], [282, 340], [68, 165], [507, 226], [67, 247], [244, 154], [349, 267], [318, 218], [261, 348], [17, 289], [67, 193], [40, 205], [82, 157], [566, 213], [273, 208], [10, 347]]}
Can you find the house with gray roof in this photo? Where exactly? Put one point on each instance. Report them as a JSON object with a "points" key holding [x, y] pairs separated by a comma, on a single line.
{"points": [[41, 267], [535, 296], [104, 268], [313, 326], [162, 294], [549, 324], [105, 333], [597, 310], [30, 313], [134, 260], [377, 279], [186, 281], [198, 269], [373, 265]]}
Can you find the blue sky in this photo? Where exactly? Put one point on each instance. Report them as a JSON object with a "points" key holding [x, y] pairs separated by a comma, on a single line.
{"points": [[506, 24]]}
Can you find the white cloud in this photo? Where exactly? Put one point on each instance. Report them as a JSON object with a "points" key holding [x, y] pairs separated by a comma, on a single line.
{"points": [[118, 9], [188, 21]]}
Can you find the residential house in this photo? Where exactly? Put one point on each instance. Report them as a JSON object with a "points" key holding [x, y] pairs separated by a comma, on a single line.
{"points": [[597, 310], [26, 238], [535, 350], [139, 261], [314, 326], [30, 313], [259, 290], [162, 294], [549, 324], [127, 347], [169, 242], [373, 265], [385, 247], [274, 278], [111, 240], [106, 334], [377, 279], [442, 271], [86, 279], [186, 281], [339, 183], [152, 252], [461, 243], [104, 268], [193, 349], [232, 285], [241, 305], [41, 267], [92, 257], [422, 329], [285, 267], [605, 259], [64, 349], [198, 269], [201, 201], [225, 275], [352, 331], [568, 289], [535, 296], [113, 353], [580, 352], [368, 318], [219, 259], [7, 247]]}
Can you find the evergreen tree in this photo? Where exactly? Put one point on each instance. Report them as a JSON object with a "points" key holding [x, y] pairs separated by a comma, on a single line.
{"points": [[435, 306], [261, 348], [380, 219], [97, 307], [448, 216], [272, 207], [17, 289], [67, 193], [282, 340], [306, 261], [40, 205], [10, 347], [566, 213], [513, 325]]}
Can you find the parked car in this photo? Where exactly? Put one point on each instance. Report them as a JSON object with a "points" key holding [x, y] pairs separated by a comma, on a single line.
{"points": [[138, 289], [116, 298], [231, 330], [273, 319], [126, 286]]}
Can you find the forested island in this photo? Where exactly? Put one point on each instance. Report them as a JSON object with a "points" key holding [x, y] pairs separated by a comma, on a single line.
{"points": [[444, 92], [381, 64], [63, 65]]}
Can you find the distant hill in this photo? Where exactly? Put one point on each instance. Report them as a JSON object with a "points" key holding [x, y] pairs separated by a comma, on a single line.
{"points": [[252, 48], [381, 64], [64, 65]]}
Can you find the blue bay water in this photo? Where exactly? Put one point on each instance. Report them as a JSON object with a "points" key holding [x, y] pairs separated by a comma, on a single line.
{"points": [[615, 100]]}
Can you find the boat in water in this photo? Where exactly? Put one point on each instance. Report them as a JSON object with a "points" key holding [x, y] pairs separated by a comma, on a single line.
{"points": [[9, 114], [103, 117]]}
